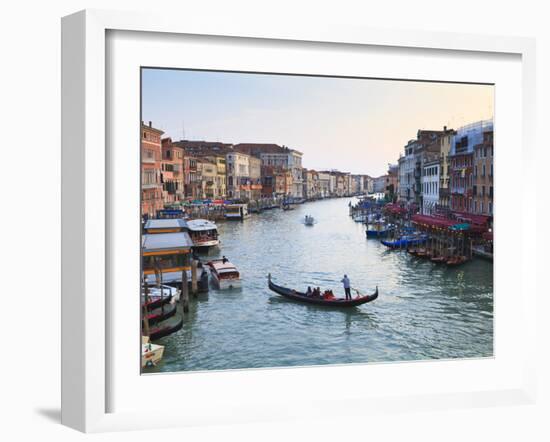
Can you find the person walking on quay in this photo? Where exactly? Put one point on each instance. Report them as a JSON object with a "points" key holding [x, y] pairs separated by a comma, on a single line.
{"points": [[347, 286]]}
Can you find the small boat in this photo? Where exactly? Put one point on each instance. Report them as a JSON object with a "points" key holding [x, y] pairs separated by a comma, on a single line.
{"points": [[224, 274], [378, 230], [161, 313], [159, 296], [165, 328], [405, 241], [236, 212], [309, 220], [203, 233], [456, 260], [438, 259], [334, 302], [151, 354]]}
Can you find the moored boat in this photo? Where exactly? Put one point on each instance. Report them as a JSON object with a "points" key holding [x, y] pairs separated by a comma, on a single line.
{"points": [[378, 230], [405, 241], [151, 354], [236, 212], [165, 328], [456, 260], [160, 313], [331, 302], [224, 274], [158, 296], [203, 233]]}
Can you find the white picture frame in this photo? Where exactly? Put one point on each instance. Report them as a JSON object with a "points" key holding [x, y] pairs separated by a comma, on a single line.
{"points": [[86, 353]]}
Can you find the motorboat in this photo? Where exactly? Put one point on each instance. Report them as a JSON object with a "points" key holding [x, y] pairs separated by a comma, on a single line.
{"points": [[224, 274], [203, 233]]}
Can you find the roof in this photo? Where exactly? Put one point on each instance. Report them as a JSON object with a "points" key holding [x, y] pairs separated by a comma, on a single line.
{"points": [[165, 224], [163, 241], [200, 224]]}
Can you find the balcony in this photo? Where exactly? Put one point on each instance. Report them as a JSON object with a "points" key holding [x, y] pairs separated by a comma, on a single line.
{"points": [[148, 160]]}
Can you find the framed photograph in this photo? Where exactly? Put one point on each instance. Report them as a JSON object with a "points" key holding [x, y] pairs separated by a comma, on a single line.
{"points": [[271, 222]]}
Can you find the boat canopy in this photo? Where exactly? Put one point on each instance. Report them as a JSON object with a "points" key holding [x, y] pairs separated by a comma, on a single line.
{"points": [[159, 242], [168, 223], [201, 225]]}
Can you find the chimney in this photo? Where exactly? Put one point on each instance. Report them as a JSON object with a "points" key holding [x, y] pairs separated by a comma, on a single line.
{"points": [[444, 128], [150, 124]]}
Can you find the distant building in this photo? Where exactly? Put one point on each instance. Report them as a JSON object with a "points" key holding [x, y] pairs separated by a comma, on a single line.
{"points": [[379, 184], [462, 164], [483, 176], [392, 180], [430, 185], [280, 157], [151, 179], [444, 191], [172, 172]]}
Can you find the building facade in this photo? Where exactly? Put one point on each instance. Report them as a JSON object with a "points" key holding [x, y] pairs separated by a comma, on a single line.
{"points": [[430, 186], [483, 176], [172, 172], [461, 170], [151, 178]]}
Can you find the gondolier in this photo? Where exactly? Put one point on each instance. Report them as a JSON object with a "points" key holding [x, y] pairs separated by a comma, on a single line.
{"points": [[347, 286]]}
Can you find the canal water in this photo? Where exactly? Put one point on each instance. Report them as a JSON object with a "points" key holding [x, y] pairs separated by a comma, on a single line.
{"points": [[424, 311]]}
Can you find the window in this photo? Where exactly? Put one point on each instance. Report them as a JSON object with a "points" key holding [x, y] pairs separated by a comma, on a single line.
{"points": [[483, 170]]}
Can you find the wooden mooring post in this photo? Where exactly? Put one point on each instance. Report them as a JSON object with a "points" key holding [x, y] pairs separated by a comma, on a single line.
{"points": [[194, 283], [184, 296]]}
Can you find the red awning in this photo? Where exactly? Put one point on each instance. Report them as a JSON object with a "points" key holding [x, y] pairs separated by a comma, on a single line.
{"points": [[433, 221]]}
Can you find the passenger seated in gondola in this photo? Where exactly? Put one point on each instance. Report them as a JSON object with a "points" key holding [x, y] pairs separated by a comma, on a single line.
{"points": [[309, 292], [317, 292]]}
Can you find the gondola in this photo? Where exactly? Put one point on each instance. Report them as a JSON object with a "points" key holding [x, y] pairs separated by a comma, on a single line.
{"points": [[337, 302], [161, 313], [166, 327]]}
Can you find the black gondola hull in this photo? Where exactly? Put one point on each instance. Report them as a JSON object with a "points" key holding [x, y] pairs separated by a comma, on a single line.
{"points": [[302, 297]]}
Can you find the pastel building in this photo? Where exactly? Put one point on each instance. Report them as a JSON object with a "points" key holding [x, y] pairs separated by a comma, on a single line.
{"points": [[430, 185], [151, 179], [483, 176], [461, 170]]}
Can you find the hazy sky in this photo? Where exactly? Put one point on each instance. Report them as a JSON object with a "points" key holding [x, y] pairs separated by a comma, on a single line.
{"points": [[354, 125]]}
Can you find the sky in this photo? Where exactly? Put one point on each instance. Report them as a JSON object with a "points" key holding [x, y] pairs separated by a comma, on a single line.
{"points": [[353, 125]]}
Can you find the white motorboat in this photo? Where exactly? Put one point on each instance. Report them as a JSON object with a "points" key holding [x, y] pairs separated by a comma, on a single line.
{"points": [[224, 274], [203, 233], [151, 354]]}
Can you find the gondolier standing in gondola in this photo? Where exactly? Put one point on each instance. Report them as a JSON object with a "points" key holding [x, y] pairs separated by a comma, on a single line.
{"points": [[347, 286]]}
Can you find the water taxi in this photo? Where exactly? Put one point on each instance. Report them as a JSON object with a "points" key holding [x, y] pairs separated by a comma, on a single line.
{"points": [[224, 274], [203, 233], [236, 211]]}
